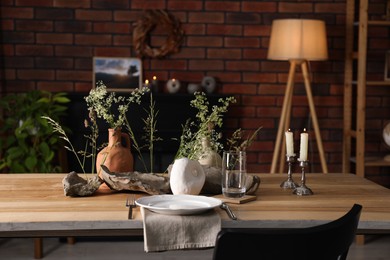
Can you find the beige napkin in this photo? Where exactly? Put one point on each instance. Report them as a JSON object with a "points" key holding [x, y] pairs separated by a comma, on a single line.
{"points": [[172, 232]]}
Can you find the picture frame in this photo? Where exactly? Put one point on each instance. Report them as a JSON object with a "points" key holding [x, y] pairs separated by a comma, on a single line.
{"points": [[387, 66], [118, 74]]}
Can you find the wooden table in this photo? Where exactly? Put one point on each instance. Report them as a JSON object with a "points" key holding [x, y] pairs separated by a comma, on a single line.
{"points": [[34, 205]]}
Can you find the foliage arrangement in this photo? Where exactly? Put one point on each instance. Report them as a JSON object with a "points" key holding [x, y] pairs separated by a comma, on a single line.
{"points": [[112, 109], [26, 140], [237, 142], [204, 127]]}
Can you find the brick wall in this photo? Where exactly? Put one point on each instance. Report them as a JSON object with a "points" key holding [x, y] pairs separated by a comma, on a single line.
{"points": [[49, 44]]}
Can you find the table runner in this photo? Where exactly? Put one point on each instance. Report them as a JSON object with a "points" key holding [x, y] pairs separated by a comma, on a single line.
{"points": [[172, 232]]}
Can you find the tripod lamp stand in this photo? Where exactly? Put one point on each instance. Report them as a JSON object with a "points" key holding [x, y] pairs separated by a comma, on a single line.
{"points": [[298, 41]]}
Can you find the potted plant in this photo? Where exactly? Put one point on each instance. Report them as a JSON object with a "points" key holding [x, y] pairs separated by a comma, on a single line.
{"points": [[27, 144]]}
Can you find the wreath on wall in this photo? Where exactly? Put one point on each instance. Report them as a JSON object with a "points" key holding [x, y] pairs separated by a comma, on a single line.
{"points": [[146, 24]]}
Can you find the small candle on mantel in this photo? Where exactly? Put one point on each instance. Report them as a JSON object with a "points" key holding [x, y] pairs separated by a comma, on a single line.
{"points": [[289, 143], [304, 146], [147, 83]]}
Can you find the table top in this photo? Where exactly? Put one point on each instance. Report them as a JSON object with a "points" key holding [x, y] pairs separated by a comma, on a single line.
{"points": [[35, 205]]}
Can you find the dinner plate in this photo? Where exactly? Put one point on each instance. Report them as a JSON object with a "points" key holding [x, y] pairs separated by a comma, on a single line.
{"points": [[178, 204]]}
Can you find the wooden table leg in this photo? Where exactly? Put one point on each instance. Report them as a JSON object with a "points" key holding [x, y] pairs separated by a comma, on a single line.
{"points": [[38, 248]]}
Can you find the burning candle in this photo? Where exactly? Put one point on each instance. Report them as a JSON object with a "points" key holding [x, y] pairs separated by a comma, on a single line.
{"points": [[289, 143], [304, 146]]}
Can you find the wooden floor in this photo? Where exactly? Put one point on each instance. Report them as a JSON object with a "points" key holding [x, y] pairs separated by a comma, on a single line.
{"points": [[376, 248]]}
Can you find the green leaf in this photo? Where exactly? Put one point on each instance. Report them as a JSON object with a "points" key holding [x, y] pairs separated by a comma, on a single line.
{"points": [[30, 163]]}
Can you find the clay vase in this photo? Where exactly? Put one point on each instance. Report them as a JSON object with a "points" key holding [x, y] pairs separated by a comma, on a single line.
{"points": [[209, 157], [115, 156]]}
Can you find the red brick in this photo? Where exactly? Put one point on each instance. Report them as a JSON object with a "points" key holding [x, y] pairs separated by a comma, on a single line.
{"points": [[259, 7], [35, 74], [150, 4], [17, 12], [8, 50], [70, 75], [112, 4], [47, 3], [73, 51], [224, 29], [295, 7], [98, 40], [242, 65], [54, 14], [53, 62], [18, 62], [7, 25], [56, 38], [205, 65], [123, 40], [329, 8], [94, 15], [260, 77], [225, 77], [194, 29], [112, 28], [73, 26], [127, 16], [205, 41], [34, 50], [239, 88], [232, 6], [229, 54], [17, 37], [82, 87], [257, 100], [83, 63], [242, 42], [169, 64], [190, 53], [72, 3], [184, 5], [243, 18], [112, 52], [37, 26], [188, 76], [257, 54], [257, 30], [202, 17], [55, 86]]}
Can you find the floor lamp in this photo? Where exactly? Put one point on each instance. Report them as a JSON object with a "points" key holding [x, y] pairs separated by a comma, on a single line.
{"points": [[298, 41]]}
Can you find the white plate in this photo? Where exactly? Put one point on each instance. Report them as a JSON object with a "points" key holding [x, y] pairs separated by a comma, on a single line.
{"points": [[178, 204]]}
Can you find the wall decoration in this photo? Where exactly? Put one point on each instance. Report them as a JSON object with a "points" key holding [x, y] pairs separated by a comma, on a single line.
{"points": [[146, 24], [118, 74], [387, 66]]}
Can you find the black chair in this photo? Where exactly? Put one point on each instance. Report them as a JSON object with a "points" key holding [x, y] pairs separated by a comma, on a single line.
{"points": [[327, 241]]}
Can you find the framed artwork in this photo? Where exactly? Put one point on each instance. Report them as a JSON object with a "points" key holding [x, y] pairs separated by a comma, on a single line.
{"points": [[387, 66], [118, 74]]}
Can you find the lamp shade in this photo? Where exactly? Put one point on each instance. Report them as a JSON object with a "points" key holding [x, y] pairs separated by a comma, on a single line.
{"points": [[299, 39]]}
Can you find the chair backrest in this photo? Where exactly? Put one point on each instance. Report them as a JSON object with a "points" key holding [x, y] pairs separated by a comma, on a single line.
{"points": [[328, 241]]}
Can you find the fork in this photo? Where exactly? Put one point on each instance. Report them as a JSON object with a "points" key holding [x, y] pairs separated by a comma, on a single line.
{"points": [[130, 203]]}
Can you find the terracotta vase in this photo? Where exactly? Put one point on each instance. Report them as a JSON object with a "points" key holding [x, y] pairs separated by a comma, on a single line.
{"points": [[115, 156]]}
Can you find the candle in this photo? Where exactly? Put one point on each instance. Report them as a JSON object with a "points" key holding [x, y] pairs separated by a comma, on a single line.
{"points": [[147, 83], [289, 143], [304, 145], [173, 85]]}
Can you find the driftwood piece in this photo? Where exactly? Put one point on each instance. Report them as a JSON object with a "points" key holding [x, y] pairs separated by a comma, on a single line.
{"points": [[76, 186], [135, 181], [159, 183]]}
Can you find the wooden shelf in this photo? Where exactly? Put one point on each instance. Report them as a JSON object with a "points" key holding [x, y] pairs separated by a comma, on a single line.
{"points": [[355, 78]]}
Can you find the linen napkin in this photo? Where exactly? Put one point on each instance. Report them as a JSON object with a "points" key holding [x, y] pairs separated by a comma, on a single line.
{"points": [[172, 232]]}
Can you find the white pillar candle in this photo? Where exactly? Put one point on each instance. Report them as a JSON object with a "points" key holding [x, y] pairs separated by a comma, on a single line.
{"points": [[303, 146], [289, 143]]}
